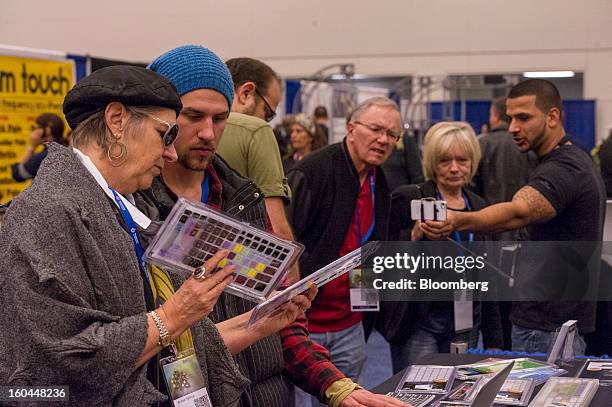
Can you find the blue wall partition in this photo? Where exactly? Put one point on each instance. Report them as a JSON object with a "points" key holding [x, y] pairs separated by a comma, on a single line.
{"points": [[579, 115], [292, 88], [580, 122], [579, 118], [81, 65]]}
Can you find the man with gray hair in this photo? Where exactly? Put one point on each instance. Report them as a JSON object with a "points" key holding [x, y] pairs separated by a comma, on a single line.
{"points": [[340, 202]]}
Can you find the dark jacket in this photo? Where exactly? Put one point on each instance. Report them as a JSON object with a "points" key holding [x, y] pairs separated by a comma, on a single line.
{"points": [[403, 167], [503, 169], [263, 361], [28, 170], [398, 329], [325, 187], [288, 164], [605, 159]]}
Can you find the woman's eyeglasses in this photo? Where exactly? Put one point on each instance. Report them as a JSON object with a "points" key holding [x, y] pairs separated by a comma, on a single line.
{"points": [[170, 134], [172, 129]]}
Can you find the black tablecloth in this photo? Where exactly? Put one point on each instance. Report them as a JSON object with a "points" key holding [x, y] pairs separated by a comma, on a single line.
{"points": [[603, 397]]}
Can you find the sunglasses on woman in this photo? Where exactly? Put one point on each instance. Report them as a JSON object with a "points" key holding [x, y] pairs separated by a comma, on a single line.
{"points": [[171, 132]]}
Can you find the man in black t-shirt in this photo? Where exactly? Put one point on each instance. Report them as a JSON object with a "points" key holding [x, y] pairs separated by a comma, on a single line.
{"points": [[564, 200]]}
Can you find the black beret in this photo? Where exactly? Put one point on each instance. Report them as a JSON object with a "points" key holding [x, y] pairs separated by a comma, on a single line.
{"points": [[130, 85]]}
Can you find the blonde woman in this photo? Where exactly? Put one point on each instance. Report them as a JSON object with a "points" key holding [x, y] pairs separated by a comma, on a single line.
{"points": [[450, 158]]}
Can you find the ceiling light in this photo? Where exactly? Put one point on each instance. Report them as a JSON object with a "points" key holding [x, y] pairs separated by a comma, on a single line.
{"points": [[549, 74], [342, 76]]}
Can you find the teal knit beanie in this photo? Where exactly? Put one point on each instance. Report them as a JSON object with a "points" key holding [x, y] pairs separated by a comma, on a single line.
{"points": [[192, 67]]}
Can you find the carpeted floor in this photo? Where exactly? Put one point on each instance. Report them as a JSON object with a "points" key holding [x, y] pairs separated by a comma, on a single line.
{"points": [[377, 368]]}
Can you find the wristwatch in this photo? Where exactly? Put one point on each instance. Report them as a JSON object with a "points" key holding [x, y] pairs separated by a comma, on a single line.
{"points": [[164, 336]]}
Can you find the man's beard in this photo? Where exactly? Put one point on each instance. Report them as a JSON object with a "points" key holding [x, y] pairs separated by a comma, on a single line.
{"points": [[193, 163], [539, 139]]}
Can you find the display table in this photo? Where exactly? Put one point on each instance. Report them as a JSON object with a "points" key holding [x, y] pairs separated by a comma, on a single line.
{"points": [[603, 398]]}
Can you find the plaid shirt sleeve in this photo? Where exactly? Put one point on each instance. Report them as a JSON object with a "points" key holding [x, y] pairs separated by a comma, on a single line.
{"points": [[307, 364]]}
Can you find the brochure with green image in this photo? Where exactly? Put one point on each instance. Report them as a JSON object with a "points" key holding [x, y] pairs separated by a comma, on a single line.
{"points": [[494, 365]]}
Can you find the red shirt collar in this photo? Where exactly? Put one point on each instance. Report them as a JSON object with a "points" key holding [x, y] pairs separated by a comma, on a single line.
{"points": [[215, 188]]}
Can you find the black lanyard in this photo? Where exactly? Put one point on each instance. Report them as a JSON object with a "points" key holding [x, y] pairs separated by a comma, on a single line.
{"points": [[564, 140]]}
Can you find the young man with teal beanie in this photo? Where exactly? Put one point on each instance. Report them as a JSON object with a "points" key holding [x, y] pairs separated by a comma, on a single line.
{"points": [[275, 363], [192, 67]]}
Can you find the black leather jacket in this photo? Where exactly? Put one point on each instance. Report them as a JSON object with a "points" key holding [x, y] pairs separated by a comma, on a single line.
{"points": [[325, 187], [262, 362]]}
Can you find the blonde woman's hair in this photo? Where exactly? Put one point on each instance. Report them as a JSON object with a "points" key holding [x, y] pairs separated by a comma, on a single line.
{"points": [[439, 140]]}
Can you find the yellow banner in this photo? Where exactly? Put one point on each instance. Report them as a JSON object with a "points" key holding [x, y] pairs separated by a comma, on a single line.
{"points": [[28, 88]]}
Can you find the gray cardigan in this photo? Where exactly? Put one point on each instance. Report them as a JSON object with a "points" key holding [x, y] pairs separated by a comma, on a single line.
{"points": [[73, 308]]}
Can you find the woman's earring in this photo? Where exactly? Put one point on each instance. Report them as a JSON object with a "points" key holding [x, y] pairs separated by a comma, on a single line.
{"points": [[116, 152]]}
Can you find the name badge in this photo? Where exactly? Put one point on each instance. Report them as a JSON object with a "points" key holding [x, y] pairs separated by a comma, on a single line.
{"points": [[464, 311], [184, 380], [362, 298]]}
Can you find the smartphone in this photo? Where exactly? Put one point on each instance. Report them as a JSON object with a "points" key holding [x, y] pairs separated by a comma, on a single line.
{"points": [[428, 209]]}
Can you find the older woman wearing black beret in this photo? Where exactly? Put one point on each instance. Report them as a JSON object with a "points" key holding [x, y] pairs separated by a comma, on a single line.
{"points": [[80, 307]]}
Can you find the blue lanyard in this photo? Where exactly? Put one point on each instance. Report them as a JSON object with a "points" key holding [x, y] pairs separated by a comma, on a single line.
{"points": [[129, 221], [364, 239], [469, 208], [205, 189]]}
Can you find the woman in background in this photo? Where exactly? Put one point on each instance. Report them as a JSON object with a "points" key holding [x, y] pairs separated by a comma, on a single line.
{"points": [[305, 138], [49, 127]]}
